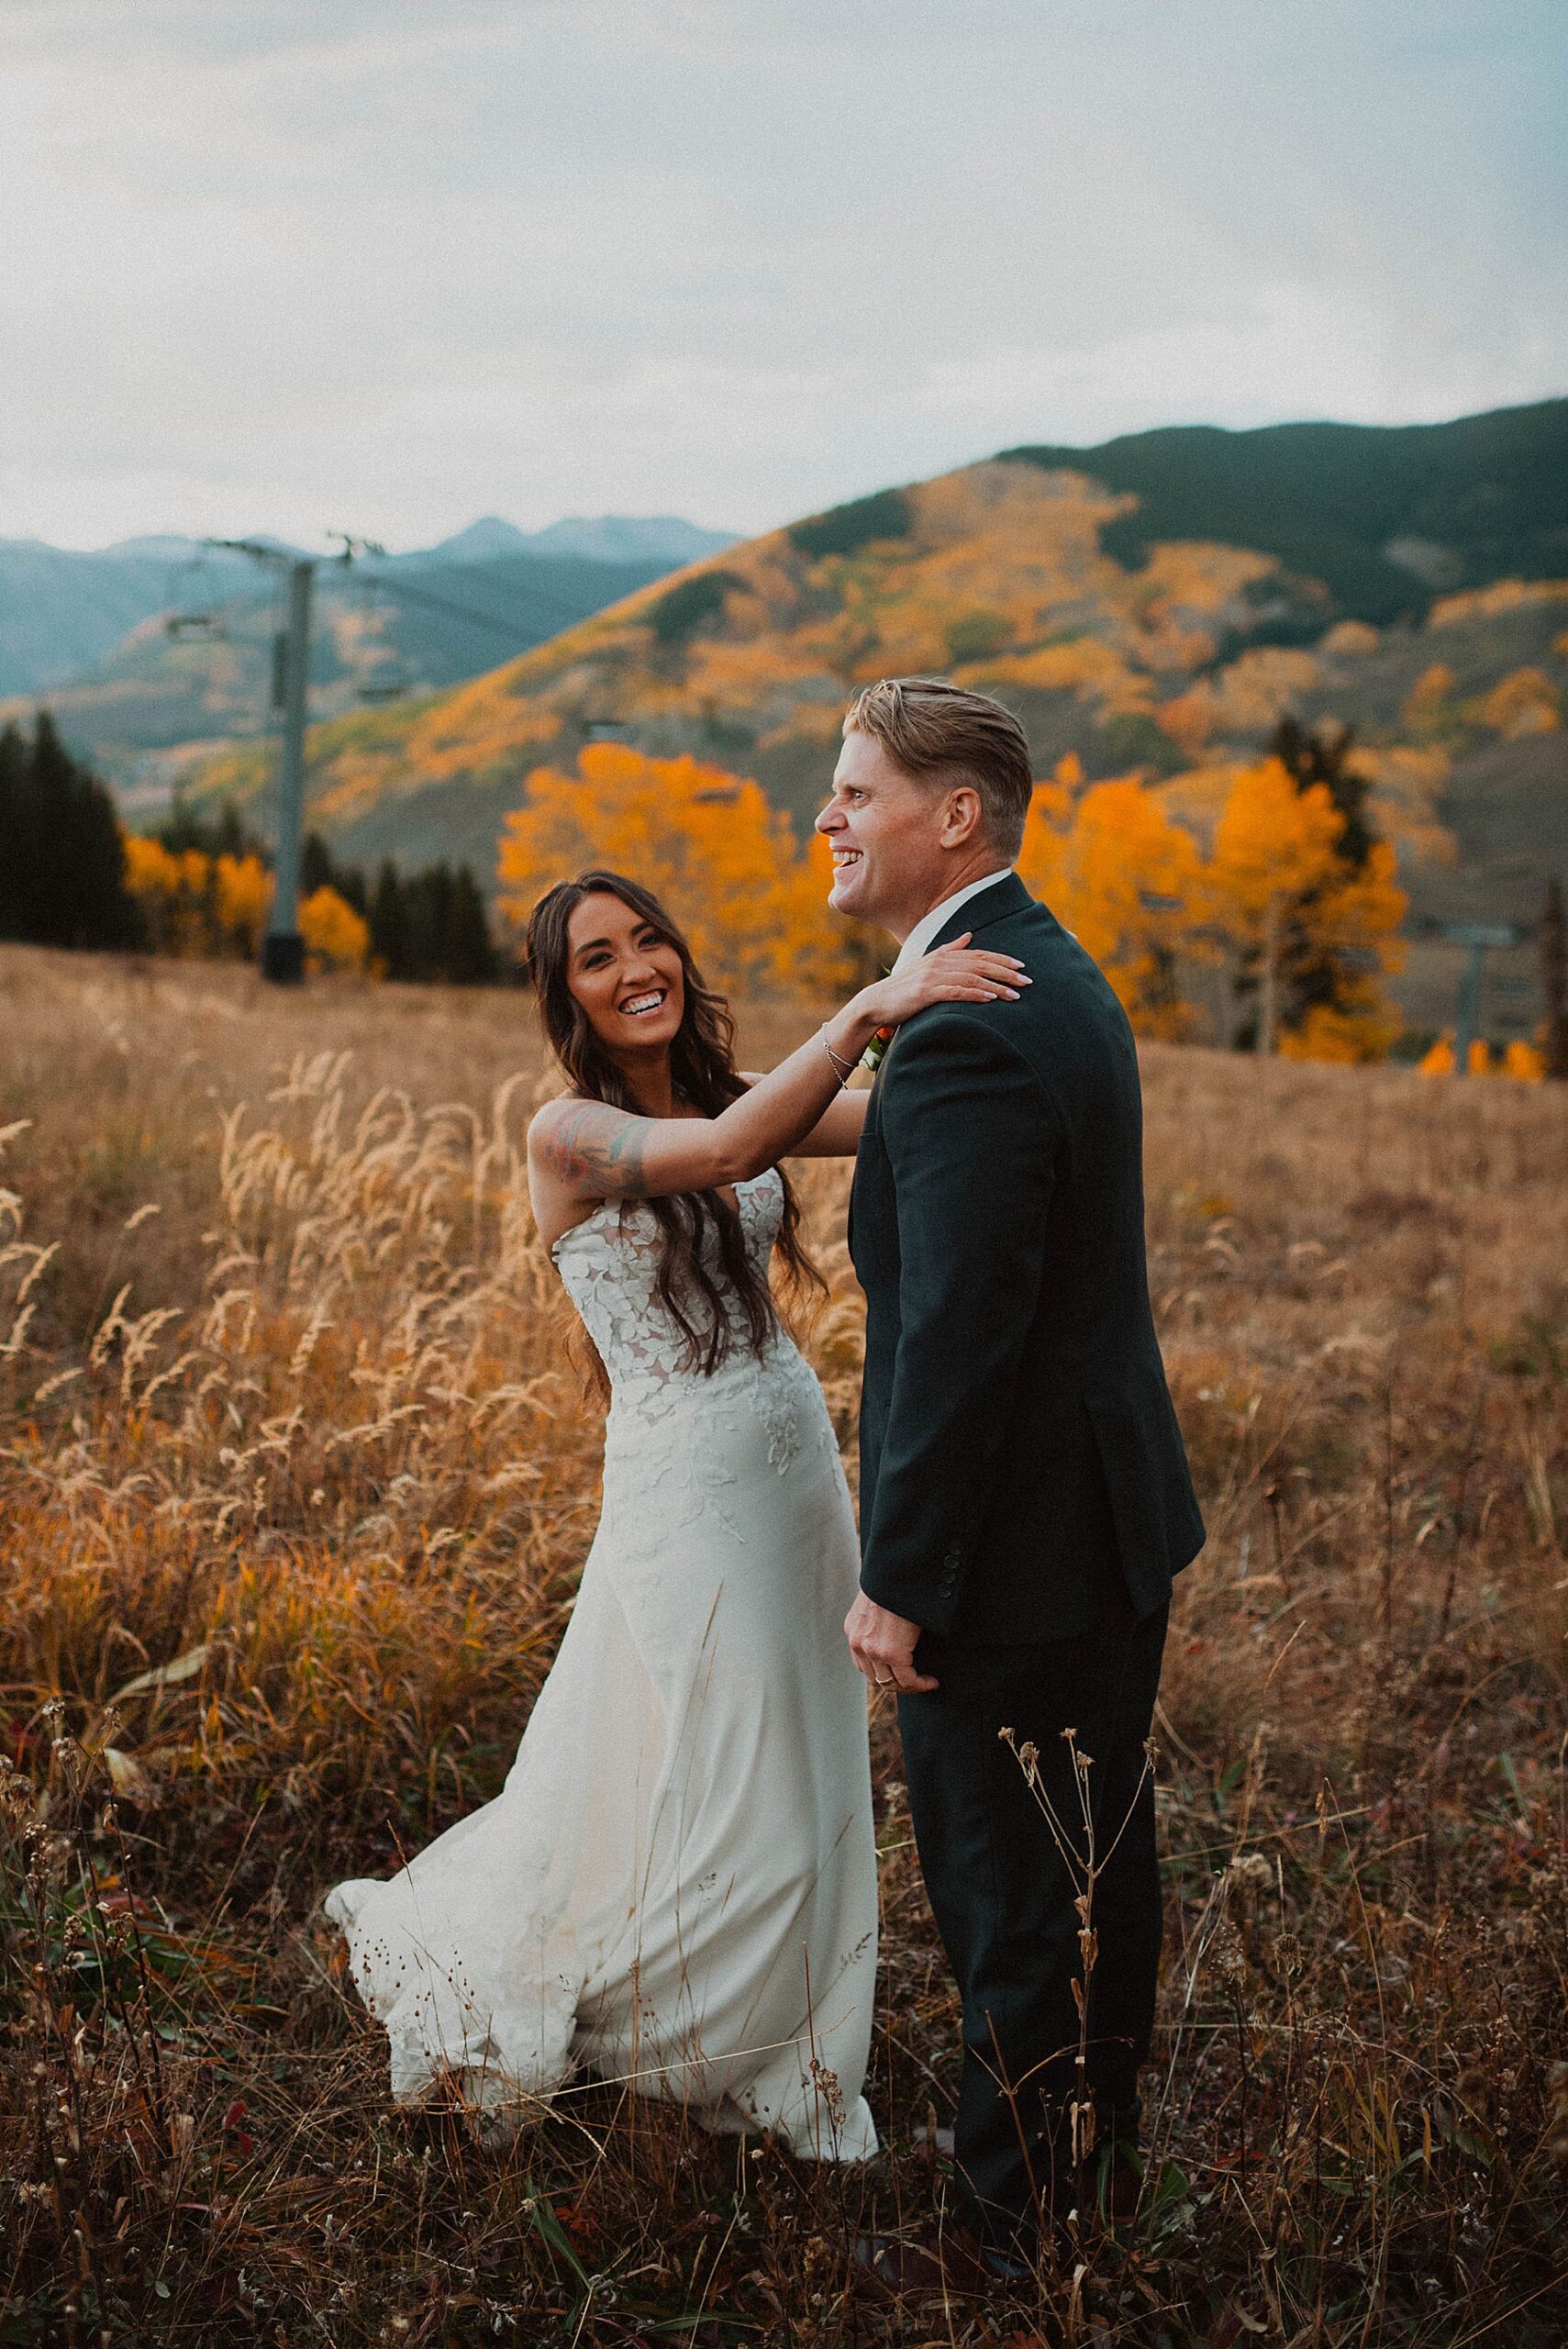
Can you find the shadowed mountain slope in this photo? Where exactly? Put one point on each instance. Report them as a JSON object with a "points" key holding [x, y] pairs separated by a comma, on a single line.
{"points": [[1383, 518], [141, 699]]}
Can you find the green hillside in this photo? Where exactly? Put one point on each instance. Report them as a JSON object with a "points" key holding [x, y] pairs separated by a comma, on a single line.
{"points": [[1383, 517]]}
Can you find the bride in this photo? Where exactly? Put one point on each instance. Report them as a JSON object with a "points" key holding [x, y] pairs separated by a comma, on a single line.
{"points": [[676, 1887]]}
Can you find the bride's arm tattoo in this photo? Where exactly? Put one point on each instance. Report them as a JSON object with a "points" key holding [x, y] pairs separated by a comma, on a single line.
{"points": [[597, 1149]]}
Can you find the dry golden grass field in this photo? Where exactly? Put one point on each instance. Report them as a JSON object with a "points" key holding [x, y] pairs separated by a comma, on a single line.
{"points": [[297, 1477]]}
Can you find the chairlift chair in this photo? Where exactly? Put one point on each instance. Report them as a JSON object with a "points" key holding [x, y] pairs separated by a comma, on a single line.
{"points": [[393, 677], [192, 611]]}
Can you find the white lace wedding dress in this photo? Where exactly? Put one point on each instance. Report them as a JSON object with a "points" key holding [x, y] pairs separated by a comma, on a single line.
{"points": [[677, 1885]]}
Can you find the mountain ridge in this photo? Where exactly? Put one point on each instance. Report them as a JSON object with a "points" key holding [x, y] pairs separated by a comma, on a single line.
{"points": [[64, 610]]}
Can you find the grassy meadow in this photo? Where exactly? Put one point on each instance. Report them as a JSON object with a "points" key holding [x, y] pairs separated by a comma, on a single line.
{"points": [[296, 1474]]}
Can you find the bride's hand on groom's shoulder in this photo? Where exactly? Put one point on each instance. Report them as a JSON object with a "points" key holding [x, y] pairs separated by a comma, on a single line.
{"points": [[955, 974]]}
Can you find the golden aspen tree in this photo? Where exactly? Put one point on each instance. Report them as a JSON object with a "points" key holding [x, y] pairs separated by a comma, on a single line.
{"points": [[1126, 881], [214, 907], [1525, 702], [1280, 892], [244, 900], [1429, 706], [1524, 1061], [706, 842], [1273, 846], [336, 937]]}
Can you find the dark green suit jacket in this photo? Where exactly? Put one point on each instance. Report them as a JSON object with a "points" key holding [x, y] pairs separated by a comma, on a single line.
{"points": [[1020, 1455]]}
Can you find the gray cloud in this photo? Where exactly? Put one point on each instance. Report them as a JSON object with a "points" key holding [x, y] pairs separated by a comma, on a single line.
{"points": [[384, 265]]}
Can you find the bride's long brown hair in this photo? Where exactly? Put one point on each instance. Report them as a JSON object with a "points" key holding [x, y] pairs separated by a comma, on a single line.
{"points": [[701, 1066]]}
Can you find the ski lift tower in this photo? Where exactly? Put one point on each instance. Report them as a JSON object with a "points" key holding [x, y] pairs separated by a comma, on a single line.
{"points": [[283, 948], [1476, 937]]}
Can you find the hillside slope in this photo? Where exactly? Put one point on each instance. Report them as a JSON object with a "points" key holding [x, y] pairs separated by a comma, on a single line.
{"points": [[62, 610], [1170, 661], [89, 634], [160, 700]]}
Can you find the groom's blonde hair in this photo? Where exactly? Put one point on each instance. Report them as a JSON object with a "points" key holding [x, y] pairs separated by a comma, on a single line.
{"points": [[941, 735]]}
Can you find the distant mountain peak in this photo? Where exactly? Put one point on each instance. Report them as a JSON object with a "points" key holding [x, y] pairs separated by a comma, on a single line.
{"points": [[631, 537], [665, 539], [481, 542]]}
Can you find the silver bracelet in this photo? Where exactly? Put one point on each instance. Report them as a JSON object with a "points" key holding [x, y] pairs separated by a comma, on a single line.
{"points": [[842, 1069]]}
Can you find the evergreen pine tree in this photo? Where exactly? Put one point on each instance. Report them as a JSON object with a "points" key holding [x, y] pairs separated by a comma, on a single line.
{"points": [[390, 941], [431, 927], [470, 955], [1311, 973], [314, 866], [428, 896], [1554, 979], [223, 834], [61, 850], [349, 880], [318, 870], [1322, 754], [14, 837]]}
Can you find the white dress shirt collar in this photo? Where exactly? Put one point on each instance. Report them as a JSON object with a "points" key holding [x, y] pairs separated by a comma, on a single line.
{"points": [[919, 938]]}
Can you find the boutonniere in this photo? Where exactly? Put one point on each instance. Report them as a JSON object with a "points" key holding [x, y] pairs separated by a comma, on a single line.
{"points": [[871, 1056]]}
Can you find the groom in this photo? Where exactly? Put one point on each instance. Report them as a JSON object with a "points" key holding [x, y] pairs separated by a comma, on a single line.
{"points": [[1025, 1498]]}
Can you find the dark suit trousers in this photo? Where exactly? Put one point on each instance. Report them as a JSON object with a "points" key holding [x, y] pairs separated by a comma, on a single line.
{"points": [[1003, 1894]]}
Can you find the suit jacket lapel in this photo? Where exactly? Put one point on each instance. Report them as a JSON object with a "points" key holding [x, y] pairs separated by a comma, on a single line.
{"points": [[1006, 896]]}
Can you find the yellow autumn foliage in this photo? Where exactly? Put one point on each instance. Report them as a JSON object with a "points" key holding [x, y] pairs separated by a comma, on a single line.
{"points": [[1350, 640], [194, 906], [1249, 697], [207, 907], [1490, 602], [1429, 703], [1275, 873], [1118, 868], [1083, 665], [336, 937], [1271, 842], [705, 842], [1522, 1062], [1127, 882], [244, 899], [1526, 702]]}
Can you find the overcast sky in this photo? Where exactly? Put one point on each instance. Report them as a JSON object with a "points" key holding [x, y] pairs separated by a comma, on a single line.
{"points": [[384, 265]]}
